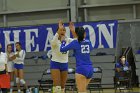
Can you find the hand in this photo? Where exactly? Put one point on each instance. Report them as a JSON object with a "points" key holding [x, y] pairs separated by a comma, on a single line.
{"points": [[71, 26], [60, 27], [10, 59], [72, 29], [60, 24], [13, 57], [17, 55], [63, 38]]}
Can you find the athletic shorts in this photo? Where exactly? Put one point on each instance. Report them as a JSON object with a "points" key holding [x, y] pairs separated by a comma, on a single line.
{"points": [[10, 66], [60, 66], [18, 66], [86, 70]]}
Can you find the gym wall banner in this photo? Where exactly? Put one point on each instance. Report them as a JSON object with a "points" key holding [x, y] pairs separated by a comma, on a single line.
{"points": [[37, 38]]}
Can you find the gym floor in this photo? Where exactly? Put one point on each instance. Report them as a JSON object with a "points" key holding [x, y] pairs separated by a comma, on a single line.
{"points": [[135, 90]]}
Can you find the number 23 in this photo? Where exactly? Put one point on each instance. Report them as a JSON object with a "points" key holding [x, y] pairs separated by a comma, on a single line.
{"points": [[85, 49]]}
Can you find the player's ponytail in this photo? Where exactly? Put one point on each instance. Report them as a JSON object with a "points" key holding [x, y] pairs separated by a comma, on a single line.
{"points": [[80, 31]]}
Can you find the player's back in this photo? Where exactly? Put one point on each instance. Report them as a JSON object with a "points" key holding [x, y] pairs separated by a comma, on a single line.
{"points": [[82, 52]]}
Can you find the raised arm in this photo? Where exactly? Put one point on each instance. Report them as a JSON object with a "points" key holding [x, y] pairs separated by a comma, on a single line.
{"points": [[55, 39], [56, 36], [72, 29], [64, 48]]}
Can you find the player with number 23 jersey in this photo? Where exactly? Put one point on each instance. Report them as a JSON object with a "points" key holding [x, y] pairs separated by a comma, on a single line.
{"points": [[82, 55]]}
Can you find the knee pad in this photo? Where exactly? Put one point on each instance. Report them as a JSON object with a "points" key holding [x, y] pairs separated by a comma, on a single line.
{"points": [[12, 83], [17, 80], [22, 81], [57, 89]]}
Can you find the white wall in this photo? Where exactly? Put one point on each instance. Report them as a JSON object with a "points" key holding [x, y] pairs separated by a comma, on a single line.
{"points": [[95, 2], [1, 21], [36, 18], [0, 5], [109, 10], [110, 13], [138, 13], [20, 12], [22, 5]]}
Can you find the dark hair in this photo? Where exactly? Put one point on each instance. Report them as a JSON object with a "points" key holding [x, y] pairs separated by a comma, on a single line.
{"points": [[9, 45], [122, 56], [80, 33], [18, 43]]}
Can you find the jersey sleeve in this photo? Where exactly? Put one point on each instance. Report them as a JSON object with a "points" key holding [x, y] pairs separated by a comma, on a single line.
{"points": [[117, 65], [55, 39], [70, 46]]}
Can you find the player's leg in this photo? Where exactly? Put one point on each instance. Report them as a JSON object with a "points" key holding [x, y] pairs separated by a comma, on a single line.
{"points": [[16, 72], [81, 82], [64, 75], [83, 77], [11, 80], [22, 81], [55, 75], [10, 67], [90, 71], [88, 81]]}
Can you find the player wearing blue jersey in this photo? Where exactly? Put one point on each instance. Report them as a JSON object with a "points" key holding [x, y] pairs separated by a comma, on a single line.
{"points": [[82, 48]]}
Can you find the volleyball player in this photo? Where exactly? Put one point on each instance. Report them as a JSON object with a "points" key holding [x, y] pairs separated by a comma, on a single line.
{"points": [[84, 68], [19, 65], [59, 60], [10, 65]]}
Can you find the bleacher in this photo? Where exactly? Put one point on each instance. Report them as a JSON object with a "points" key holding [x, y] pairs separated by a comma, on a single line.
{"points": [[106, 62], [34, 67]]}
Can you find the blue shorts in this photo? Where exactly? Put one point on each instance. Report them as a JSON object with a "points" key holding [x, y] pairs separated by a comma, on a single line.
{"points": [[86, 70], [18, 66], [60, 66]]}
